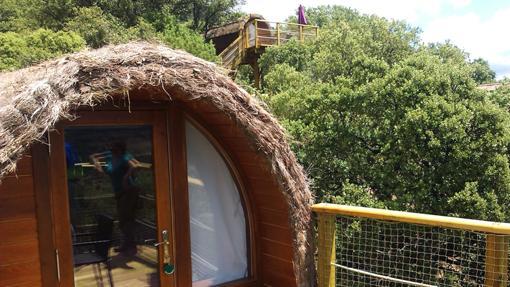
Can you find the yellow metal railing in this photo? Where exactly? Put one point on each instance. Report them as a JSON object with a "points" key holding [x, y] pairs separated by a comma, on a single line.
{"points": [[269, 33], [360, 246]]}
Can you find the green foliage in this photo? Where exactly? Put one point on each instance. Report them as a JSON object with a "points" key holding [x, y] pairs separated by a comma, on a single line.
{"points": [[201, 15], [449, 53], [95, 22], [292, 53], [178, 36], [21, 49], [100, 22], [352, 48], [482, 73], [8, 13], [474, 205], [12, 51], [97, 27], [379, 120], [355, 195], [12, 16], [205, 14], [54, 14], [127, 11]]}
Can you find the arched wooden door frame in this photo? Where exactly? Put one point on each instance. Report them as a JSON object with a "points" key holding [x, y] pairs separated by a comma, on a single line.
{"points": [[175, 116]]}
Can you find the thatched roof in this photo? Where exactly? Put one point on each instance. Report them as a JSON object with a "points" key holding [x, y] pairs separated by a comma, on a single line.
{"points": [[232, 27], [32, 100]]}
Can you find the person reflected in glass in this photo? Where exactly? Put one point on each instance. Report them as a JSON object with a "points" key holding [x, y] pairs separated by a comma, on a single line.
{"points": [[120, 166]]}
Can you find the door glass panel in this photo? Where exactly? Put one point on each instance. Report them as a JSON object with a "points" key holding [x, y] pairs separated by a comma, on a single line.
{"points": [[112, 205], [217, 219]]}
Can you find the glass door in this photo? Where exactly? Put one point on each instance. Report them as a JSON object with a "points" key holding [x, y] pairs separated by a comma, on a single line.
{"points": [[118, 198]]}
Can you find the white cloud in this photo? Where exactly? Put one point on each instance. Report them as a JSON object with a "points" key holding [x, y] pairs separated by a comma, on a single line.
{"points": [[486, 38], [408, 10], [459, 3], [399, 9]]}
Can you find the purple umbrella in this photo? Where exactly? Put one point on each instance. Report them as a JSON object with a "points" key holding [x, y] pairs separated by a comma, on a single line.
{"points": [[301, 15]]}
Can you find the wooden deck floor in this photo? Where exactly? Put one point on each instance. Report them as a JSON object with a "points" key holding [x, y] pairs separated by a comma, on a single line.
{"points": [[139, 270]]}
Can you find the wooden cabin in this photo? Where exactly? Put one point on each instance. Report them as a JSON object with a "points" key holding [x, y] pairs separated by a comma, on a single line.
{"points": [[138, 165]]}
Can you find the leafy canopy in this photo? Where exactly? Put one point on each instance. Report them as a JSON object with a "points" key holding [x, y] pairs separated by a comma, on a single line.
{"points": [[178, 24], [379, 119], [22, 49]]}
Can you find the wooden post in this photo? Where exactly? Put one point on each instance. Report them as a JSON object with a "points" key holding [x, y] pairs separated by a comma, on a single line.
{"points": [[278, 34], [246, 36], [240, 52], [327, 250], [256, 33], [301, 36], [496, 260], [256, 73]]}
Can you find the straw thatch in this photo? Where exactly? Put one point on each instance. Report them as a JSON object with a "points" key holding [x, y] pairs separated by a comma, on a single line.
{"points": [[32, 100], [232, 27]]}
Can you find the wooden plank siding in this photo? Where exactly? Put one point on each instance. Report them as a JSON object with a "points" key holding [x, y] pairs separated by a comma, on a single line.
{"points": [[19, 244], [273, 239]]}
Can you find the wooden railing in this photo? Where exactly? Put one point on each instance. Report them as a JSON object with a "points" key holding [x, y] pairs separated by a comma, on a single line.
{"points": [[261, 33], [368, 247], [231, 56], [275, 33]]}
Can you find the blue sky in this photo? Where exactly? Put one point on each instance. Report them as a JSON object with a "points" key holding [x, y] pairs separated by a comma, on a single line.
{"points": [[481, 28]]}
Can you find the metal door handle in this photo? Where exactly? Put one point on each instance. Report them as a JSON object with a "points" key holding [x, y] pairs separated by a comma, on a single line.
{"points": [[168, 268], [165, 241], [162, 242]]}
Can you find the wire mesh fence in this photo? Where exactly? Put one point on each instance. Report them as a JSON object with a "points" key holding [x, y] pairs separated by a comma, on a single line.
{"points": [[383, 253], [373, 252]]}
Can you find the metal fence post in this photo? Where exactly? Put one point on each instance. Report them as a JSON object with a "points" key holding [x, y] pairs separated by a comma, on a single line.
{"points": [[496, 261], [326, 249]]}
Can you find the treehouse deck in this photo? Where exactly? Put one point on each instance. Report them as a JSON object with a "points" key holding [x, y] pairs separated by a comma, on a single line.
{"points": [[242, 42]]}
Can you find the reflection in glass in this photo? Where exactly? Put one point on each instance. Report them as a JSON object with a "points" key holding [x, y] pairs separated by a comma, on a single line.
{"points": [[112, 208], [217, 220]]}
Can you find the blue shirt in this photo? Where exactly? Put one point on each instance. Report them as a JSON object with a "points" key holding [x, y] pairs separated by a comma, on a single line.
{"points": [[117, 171]]}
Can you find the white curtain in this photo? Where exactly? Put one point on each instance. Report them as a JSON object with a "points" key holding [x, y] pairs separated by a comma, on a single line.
{"points": [[218, 228]]}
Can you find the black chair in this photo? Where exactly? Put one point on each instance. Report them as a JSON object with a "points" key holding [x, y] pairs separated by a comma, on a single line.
{"points": [[97, 251]]}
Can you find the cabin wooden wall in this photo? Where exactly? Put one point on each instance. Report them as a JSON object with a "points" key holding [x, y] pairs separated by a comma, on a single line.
{"points": [[273, 235], [19, 250], [19, 245]]}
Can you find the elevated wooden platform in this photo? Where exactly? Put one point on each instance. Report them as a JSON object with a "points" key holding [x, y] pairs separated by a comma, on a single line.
{"points": [[242, 42]]}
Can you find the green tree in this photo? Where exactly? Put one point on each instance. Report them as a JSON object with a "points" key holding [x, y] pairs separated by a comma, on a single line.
{"points": [[179, 36], [204, 14], [97, 28], [372, 112], [18, 50], [52, 14], [449, 53], [482, 72], [12, 51], [18, 15]]}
